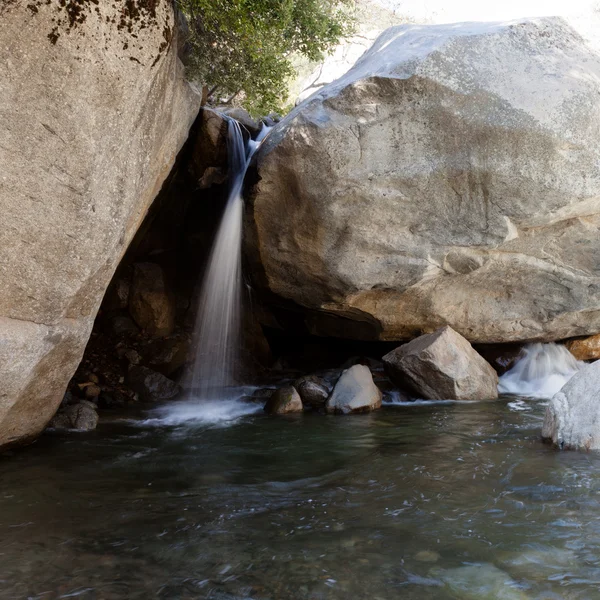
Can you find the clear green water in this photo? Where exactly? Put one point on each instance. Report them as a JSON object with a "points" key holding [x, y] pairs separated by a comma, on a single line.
{"points": [[428, 502]]}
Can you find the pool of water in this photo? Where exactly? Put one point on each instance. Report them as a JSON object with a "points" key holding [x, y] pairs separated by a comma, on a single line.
{"points": [[430, 501]]}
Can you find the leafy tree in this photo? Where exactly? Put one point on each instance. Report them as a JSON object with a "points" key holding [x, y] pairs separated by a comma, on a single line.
{"points": [[242, 49]]}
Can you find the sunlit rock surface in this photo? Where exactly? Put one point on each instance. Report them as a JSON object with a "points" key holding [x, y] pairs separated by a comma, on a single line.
{"points": [[451, 177], [572, 420], [94, 108]]}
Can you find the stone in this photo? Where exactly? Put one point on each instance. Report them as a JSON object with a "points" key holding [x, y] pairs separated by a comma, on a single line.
{"points": [[93, 119], [168, 355], [572, 420], [120, 325], [152, 304], [117, 295], [354, 392], [81, 416], [92, 391], [313, 391], [252, 126], [132, 356], [442, 366], [479, 582], [422, 189], [150, 385], [585, 348], [208, 159], [283, 401]]}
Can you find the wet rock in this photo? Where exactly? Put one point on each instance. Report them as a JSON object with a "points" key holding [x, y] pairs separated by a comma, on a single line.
{"points": [[81, 416], [113, 399], [355, 392], [283, 401], [428, 556], [169, 354], [502, 357], [440, 366], [585, 348], [479, 582], [313, 390], [243, 118], [151, 385], [151, 303], [572, 420]]}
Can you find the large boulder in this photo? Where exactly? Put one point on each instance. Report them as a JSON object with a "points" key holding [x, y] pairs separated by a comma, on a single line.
{"points": [[94, 108], [354, 392], [587, 348], [284, 401], [441, 366], [451, 177], [572, 418]]}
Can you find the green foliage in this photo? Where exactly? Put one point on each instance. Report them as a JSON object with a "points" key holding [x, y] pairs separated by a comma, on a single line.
{"points": [[243, 48]]}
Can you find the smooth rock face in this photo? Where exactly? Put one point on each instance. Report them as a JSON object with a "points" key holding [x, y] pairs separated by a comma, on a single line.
{"points": [[354, 392], [441, 366], [150, 385], [451, 177], [92, 119], [151, 303], [585, 349], [283, 401], [572, 420]]}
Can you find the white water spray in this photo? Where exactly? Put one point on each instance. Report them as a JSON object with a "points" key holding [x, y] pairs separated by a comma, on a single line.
{"points": [[541, 372], [217, 334]]}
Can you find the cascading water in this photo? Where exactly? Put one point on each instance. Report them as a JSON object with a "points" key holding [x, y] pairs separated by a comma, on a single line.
{"points": [[217, 334], [541, 372]]}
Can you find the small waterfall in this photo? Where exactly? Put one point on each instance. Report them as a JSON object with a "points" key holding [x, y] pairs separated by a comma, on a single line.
{"points": [[217, 333], [541, 372]]}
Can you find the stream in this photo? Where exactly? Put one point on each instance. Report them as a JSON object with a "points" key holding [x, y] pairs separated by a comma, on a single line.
{"points": [[427, 501]]}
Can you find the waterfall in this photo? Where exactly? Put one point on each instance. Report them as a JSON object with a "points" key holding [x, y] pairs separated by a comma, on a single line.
{"points": [[540, 372], [217, 332]]}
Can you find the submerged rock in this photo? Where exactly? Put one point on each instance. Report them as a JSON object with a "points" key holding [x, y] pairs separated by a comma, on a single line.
{"points": [[150, 385], [586, 348], [313, 390], [151, 303], [416, 192], [572, 420], [283, 401], [442, 365], [479, 582], [354, 392], [92, 124], [81, 416]]}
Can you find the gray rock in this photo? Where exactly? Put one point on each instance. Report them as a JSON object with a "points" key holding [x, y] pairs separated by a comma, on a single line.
{"points": [[441, 366], [151, 303], [354, 392], [92, 123], [81, 416], [313, 390], [150, 385], [421, 188], [283, 401], [243, 118], [572, 420]]}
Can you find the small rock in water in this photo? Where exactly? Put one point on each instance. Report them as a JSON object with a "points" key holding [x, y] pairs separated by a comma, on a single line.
{"points": [[479, 582], [429, 556], [355, 392], [313, 390], [150, 385], [283, 401], [81, 416], [442, 365], [572, 420]]}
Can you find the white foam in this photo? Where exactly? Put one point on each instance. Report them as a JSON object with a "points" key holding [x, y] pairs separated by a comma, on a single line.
{"points": [[541, 372]]}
